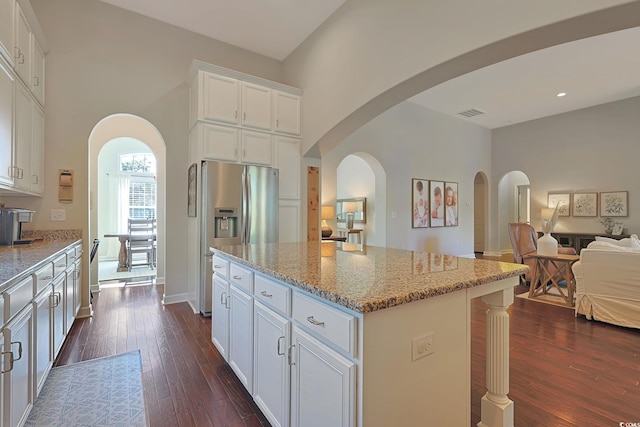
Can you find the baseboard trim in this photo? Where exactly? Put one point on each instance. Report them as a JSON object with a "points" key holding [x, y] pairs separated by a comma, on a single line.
{"points": [[174, 299], [492, 253]]}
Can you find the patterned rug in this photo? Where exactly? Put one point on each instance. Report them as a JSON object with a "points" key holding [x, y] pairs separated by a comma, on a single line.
{"points": [[98, 392]]}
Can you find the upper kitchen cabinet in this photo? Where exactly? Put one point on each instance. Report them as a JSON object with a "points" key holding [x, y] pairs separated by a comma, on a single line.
{"points": [[286, 113], [37, 70], [222, 96], [7, 81], [22, 51], [7, 25]]}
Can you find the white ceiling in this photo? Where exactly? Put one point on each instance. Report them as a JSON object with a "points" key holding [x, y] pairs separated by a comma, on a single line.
{"points": [[591, 71]]}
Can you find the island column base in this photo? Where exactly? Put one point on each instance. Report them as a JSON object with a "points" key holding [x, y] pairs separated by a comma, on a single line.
{"points": [[495, 414]]}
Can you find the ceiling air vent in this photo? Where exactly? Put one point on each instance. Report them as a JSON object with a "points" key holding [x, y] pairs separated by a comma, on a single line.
{"points": [[471, 112]]}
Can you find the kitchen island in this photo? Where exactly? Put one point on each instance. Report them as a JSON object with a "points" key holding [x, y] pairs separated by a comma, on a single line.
{"points": [[361, 335]]}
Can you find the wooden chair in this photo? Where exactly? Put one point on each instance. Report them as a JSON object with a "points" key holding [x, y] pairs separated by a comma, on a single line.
{"points": [[142, 236]]}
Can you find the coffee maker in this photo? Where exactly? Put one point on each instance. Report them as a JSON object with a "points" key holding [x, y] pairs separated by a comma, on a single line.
{"points": [[11, 220]]}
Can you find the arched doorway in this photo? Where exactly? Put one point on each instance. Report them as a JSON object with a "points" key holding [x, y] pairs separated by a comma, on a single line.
{"points": [[511, 204], [108, 129], [362, 175], [480, 212]]}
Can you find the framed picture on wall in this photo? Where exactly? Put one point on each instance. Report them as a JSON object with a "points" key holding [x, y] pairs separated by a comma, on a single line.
{"points": [[450, 204], [420, 203], [436, 194], [562, 200], [585, 204], [614, 203], [192, 196]]}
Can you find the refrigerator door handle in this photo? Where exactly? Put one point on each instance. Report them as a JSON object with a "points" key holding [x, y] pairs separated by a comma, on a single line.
{"points": [[248, 216], [243, 230]]}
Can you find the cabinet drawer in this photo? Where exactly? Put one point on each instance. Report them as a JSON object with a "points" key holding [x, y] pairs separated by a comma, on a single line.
{"points": [[330, 323], [43, 277], [59, 265], [273, 294], [220, 266], [241, 277], [17, 297], [71, 256]]}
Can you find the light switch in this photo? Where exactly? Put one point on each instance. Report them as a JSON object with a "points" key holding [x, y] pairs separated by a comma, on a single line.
{"points": [[58, 215]]}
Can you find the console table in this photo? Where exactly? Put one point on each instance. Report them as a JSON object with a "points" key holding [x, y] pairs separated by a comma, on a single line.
{"points": [[549, 271], [579, 241]]}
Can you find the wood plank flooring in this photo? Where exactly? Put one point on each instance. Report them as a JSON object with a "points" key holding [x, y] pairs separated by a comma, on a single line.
{"points": [[565, 371]]}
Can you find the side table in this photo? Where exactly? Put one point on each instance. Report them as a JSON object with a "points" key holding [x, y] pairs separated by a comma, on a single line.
{"points": [[549, 271]]}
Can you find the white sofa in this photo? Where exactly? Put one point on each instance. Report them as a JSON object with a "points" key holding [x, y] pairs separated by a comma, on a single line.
{"points": [[608, 281]]}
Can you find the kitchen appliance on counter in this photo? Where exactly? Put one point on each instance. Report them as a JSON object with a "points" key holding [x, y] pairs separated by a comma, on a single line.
{"points": [[11, 220], [239, 206]]}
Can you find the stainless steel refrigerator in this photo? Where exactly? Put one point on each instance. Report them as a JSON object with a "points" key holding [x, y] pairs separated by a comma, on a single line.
{"points": [[239, 206]]}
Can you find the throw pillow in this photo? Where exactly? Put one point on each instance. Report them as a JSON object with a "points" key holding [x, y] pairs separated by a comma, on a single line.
{"points": [[627, 242]]}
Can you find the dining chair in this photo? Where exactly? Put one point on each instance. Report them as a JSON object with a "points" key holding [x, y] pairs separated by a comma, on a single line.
{"points": [[142, 236]]}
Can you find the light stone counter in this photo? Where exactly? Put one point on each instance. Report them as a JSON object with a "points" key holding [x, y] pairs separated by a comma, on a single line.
{"points": [[15, 261], [371, 278]]}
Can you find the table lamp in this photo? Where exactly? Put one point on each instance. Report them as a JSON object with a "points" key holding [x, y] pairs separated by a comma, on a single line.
{"points": [[349, 208], [547, 244], [328, 212]]}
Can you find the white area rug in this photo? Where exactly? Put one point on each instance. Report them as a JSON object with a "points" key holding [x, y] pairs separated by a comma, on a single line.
{"points": [[108, 270], [99, 392]]}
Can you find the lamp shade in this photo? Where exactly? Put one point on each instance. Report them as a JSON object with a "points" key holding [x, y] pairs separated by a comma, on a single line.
{"points": [[349, 207], [328, 212], [546, 213]]}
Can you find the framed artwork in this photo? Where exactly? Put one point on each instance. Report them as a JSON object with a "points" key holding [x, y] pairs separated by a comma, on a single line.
{"points": [[436, 195], [617, 229], [450, 204], [585, 204], [562, 200], [614, 203], [192, 196], [420, 203]]}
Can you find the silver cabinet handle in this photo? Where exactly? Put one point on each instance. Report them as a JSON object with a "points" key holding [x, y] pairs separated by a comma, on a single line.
{"points": [[313, 321], [290, 355], [244, 116], [35, 178], [227, 302], [279, 341], [277, 122], [19, 349], [237, 277], [11, 360], [57, 297], [265, 294], [36, 81], [222, 297], [217, 266], [46, 278], [236, 115]]}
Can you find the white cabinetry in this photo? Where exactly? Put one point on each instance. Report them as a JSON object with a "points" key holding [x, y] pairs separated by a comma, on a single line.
{"points": [[241, 336], [22, 53], [22, 147], [220, 315], [322, 384], [7, 25], [256, 106], [18, 398], [286, 113], [37, 149], [77, 282], [220, 100], [7, 81], [43, 351], [58, 332], [218, 142], [37, 70], [256, 148]]}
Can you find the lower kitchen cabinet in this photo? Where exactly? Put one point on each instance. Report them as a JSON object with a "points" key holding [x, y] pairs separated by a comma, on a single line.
{"points": [[43, 351], [17, 367], [322, 384], [220, 315], [271, 368], [241, 336], [58, 332]]}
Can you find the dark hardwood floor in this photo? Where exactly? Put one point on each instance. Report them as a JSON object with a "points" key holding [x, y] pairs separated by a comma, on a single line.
{"points": [[565, 371]]}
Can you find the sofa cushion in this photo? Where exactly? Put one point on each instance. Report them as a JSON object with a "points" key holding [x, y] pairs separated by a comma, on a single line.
{"points": [[607, 246], [627, 242]]}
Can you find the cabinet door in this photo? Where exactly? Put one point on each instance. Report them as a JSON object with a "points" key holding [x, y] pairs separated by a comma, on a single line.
{"points": [[241, 336], [220, 316], [37, 149], [43, 350], [37, 70], [220, 97], [58, 332], [68, 300], [270, 368], [256, 148], [77, 286], [289, 221], [22, 154], [19, 380], [22, 53], [286, 114], [322, 384], [219, 142], [256, 106], [6, 124], [288, 160], [6, 28]]}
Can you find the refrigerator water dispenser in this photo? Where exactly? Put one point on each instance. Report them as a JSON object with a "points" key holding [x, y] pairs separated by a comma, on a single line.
{"points": [[226, 223]]}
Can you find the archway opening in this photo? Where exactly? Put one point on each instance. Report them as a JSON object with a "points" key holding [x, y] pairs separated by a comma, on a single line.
{"points": [[480, 212], [511, 205]]}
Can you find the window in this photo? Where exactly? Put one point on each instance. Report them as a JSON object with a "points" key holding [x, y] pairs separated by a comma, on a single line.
{"points": [[141, 168]]}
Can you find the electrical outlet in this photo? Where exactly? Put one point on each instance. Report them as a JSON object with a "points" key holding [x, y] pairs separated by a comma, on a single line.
{"points": [[421, 346], [58, 215]]}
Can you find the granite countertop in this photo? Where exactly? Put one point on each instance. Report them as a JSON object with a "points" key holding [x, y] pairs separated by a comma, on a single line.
{"points": [[16, 260], [369, 278]]}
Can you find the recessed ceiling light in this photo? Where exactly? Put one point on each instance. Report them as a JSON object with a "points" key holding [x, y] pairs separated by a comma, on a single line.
{"points": [[561, 94]]}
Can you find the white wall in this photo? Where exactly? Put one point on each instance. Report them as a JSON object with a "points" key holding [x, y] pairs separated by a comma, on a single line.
{"points": [[594, 149], [355, 178], [411, 141], [372, 54]]}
